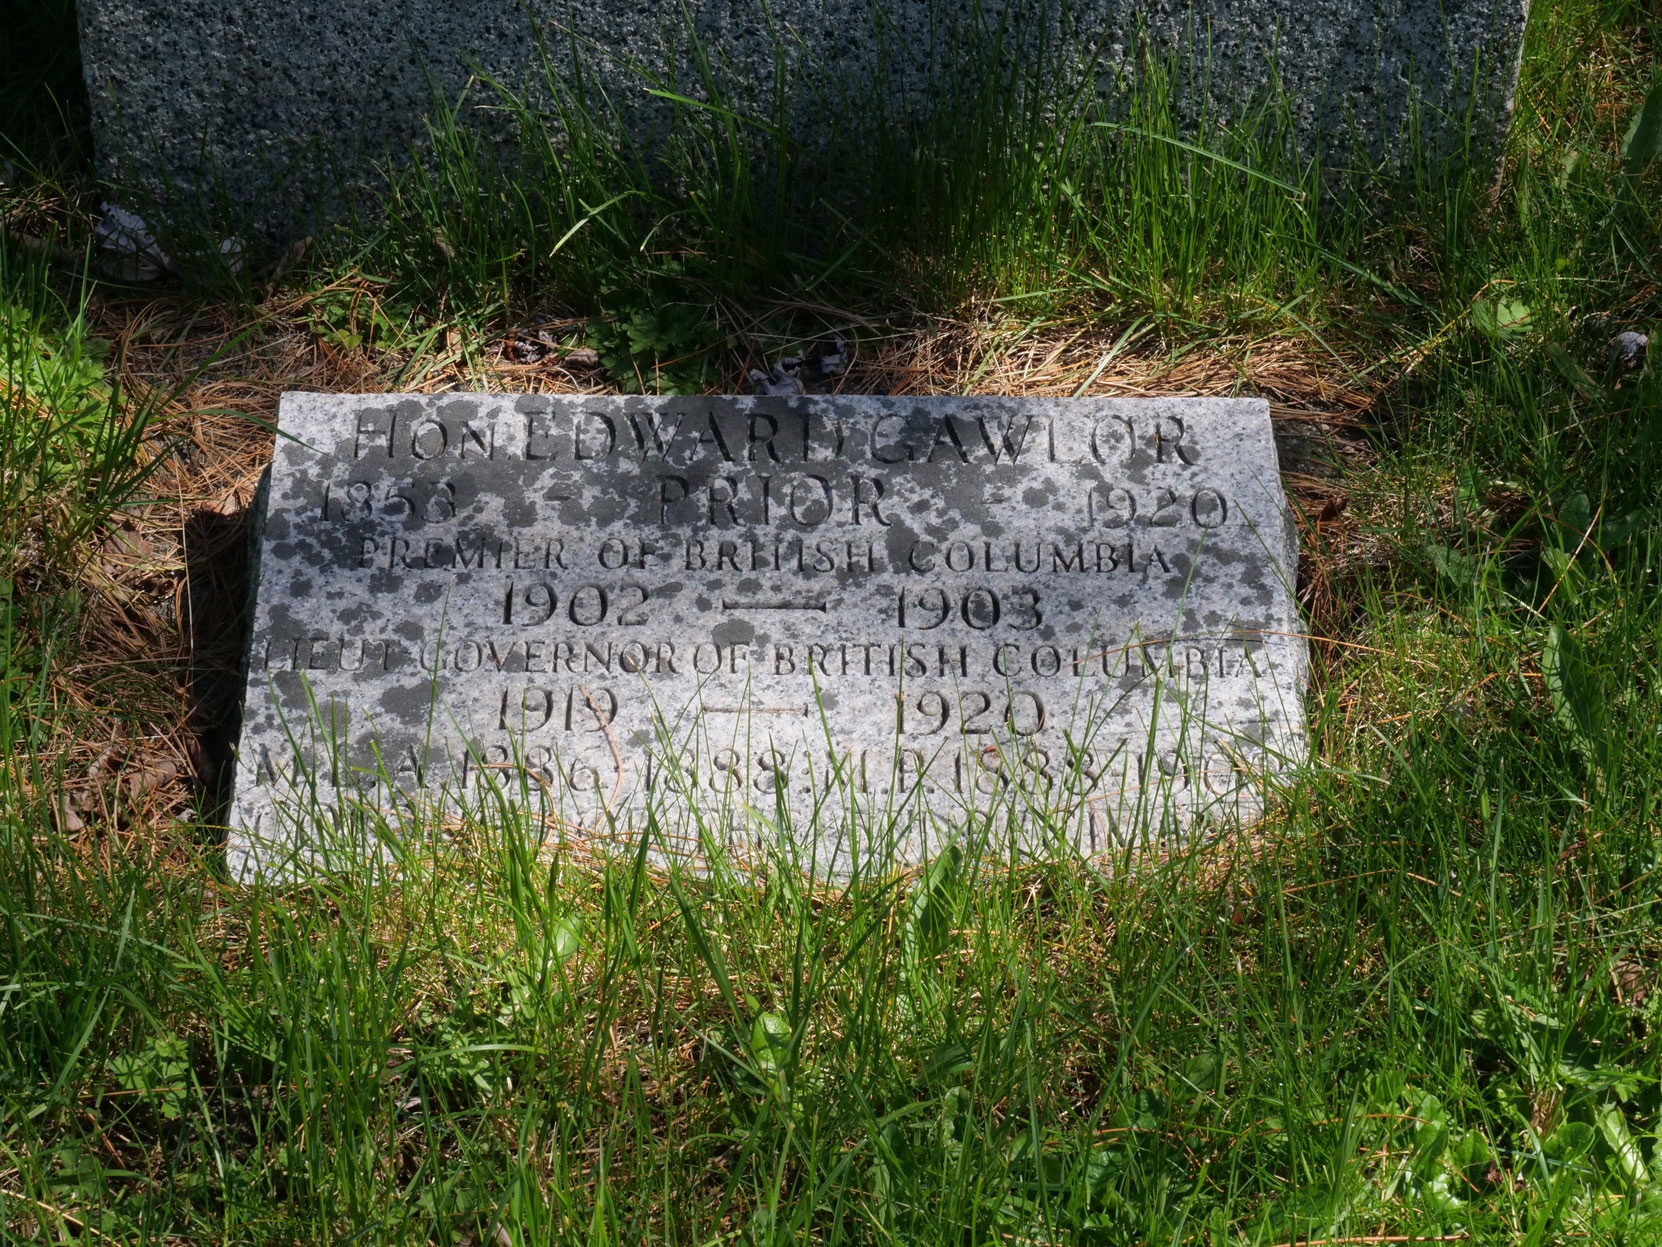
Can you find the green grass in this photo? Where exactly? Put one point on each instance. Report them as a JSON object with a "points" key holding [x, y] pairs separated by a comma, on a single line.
{"points": [[72, 450], [675, 255], [1421, 999]]}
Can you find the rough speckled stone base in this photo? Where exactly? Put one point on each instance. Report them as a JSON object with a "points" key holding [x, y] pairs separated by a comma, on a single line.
{"points": [[251, 103], [836, 613]]}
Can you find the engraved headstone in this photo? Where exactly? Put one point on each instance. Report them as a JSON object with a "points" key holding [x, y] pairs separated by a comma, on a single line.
{"points": [[235, 111], [859, 625]]}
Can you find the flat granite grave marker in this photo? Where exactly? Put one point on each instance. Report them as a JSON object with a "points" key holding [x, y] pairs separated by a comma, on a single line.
{"points": [[857, 625]]}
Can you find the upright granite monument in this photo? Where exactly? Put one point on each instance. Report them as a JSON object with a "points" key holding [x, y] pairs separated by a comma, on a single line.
{"points": [[855, 626], [249, 105]]}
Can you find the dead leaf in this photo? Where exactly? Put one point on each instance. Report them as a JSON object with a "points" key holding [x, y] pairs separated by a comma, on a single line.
{"points": [[66, 807], [296, 253], [123, 554], [1632, 982], [145, 781]]}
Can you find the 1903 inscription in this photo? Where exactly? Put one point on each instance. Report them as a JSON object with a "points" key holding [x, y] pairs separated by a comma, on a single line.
{"points": [[918, 604]]}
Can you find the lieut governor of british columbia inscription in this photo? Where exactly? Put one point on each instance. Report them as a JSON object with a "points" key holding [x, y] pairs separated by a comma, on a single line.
{"points": [[843, 617]]}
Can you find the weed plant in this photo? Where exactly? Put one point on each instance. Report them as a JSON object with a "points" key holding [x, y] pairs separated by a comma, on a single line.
{"points": [[1419, 1000], [71, 452]]}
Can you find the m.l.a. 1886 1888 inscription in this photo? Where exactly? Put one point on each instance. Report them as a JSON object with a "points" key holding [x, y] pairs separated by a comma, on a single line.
{"points": [[834, 621]]}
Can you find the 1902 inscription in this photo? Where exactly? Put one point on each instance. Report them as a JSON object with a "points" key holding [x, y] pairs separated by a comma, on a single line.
{"points": [[917, 607]]}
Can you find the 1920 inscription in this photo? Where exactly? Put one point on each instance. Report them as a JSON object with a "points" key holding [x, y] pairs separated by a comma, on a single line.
{"points": [[921, 606]]}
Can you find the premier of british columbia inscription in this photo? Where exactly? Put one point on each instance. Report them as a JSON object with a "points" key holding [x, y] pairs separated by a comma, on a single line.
{"points": [[828, 620]]}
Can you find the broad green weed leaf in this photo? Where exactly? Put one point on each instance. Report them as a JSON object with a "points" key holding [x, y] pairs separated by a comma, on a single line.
{"points": [[1471, 1155], [1573, 372], [934, 905], [760, 1228], [568, 937], [1468, 497], [897, 1149], [770, 1040], [1387, 1089], [1558, 562], [1613, 534], [158, 1074], [1630, 1162], [1205, 1073], [1431, 1131], [1643, 143], [1148, 1110], [1438, 1196], [1577, 701], [947, 1062], [1575, 518], [1568, 165], [1459, 571], [1569, 1143], [1501, 320]]}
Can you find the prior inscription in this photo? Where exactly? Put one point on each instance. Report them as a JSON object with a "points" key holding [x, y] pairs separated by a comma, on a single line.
{"points": [[831, 613]]}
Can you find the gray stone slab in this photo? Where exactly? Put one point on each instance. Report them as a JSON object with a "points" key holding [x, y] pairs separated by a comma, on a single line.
{"points": [[252, 103], [872, 622]]}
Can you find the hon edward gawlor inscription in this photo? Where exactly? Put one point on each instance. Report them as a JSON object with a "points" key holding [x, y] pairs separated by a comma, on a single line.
{"points": [[862, 624]]}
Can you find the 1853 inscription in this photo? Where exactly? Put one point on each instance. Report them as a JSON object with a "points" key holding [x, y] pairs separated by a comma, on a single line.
{"points": [[906, 611]]}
